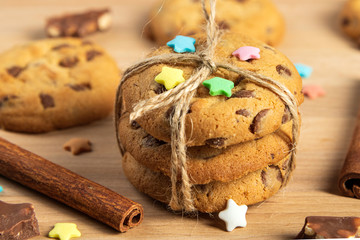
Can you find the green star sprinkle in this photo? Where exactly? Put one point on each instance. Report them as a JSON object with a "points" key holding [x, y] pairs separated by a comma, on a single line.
{"points": [[219, 86]]}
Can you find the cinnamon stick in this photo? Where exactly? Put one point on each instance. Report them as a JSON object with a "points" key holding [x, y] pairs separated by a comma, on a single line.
{"points": [[69, 188], [349, 180]]}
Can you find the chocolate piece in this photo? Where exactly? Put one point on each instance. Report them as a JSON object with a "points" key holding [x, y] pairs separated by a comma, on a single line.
{"points": [[80, 87], [18, 221], [216, 142], [345, 21], [286, 116], [159, 88], [65, 45], [15, 71], [47, 101], [6, 98], [78, 25], [238, 80], [256, 124], [243, 94], [330, 227], [90, 55], [223, 25], [150, 141], [69, 62], [243, 112], [135, 125], [282, 70]]}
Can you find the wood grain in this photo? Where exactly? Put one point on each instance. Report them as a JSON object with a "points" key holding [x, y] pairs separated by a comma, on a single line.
{"points": [[312, 38]]}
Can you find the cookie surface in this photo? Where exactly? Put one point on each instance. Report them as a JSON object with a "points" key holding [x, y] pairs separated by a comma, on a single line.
{"points": [[219, 121], [250, 189], [55, 83], [350, 18], [257, 18], [206, 164]]}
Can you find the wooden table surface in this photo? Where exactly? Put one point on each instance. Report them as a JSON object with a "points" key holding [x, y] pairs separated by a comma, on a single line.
{"points": [[312, 38]]}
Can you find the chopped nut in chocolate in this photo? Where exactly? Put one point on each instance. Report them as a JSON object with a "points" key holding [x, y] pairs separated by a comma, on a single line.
{"points": [[78, 25], [18, 221], [330, 227]]}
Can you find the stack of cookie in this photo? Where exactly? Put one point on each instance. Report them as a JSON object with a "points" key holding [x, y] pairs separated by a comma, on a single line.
{"points": [[238, 146]]}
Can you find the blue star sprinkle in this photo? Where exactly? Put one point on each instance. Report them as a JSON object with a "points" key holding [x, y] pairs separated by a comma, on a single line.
{"points": [[182, 44], [304, 70]]}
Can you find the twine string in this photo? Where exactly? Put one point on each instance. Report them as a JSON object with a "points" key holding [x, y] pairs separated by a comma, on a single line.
{"points": [[180, 98]]}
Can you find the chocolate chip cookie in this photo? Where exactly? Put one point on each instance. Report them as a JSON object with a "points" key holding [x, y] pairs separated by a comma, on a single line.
{"points": [[350, 18], [206, 164], [212, 197], [250, 112], [55, 83], [257, 18]]}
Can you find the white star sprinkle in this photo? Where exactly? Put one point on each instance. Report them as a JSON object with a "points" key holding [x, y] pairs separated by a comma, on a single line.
{"points": [[233, 215]]}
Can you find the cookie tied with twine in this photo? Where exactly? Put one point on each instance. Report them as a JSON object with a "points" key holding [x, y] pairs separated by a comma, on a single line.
{"points": [[180, 98]]}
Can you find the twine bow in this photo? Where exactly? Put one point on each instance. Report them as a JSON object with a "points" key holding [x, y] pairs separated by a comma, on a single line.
{"points": [[181, 96]]}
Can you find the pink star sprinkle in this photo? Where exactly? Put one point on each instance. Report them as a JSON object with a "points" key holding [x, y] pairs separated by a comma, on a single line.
{"points": [[313, 91], [247, 53]]}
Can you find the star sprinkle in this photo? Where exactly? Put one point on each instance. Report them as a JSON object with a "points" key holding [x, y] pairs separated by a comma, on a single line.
{"points": [[1, 189], [219, 86], [304, 70], [78, 145], [233, 215], [64, 231], [313, 91], [247, 53], [170, 77], [182, 44]]}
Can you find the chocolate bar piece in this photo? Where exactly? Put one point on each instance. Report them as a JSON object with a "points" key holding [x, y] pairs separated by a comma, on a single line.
{"points": [[18, 221], [78, 25], [330, 227]]}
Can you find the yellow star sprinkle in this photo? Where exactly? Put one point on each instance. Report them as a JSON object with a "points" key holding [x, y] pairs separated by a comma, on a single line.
{"points": [[64, 231], [170, 77]]}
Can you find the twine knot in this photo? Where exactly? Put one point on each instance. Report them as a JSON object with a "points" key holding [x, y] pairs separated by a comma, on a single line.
{"points": [[208, 62]]}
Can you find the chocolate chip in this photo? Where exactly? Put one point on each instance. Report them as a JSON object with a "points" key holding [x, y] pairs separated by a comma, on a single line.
{"points": [[47, 101], [14, 71], [223, 25], [272, 156], [256, 124], [80, 87], [216, 142], [159, 88], [243, 112], [6, 98], [279, 176], [238, 80], [90, 55], [65, 45], [264, 175], [270, 48], [345, 22], [282, 70], [69, 62], [243, 94], [150, 141], [135, 125], [286, 116], [170, 112], [86, 42]]}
